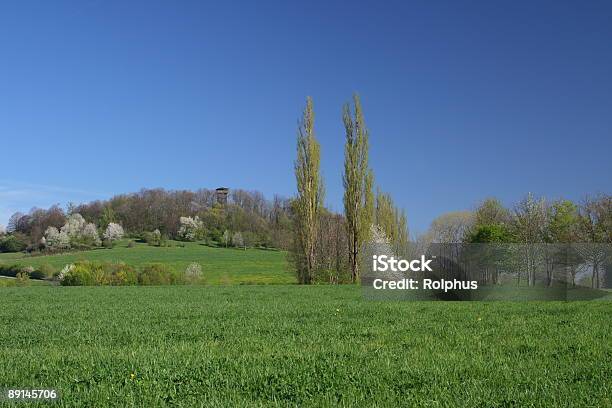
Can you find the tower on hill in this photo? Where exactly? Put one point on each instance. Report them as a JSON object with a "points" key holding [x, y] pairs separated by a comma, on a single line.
{"points": [[222, 193]]}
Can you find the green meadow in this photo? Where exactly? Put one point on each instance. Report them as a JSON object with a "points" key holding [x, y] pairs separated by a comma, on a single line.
{"points": [[228, 343], [275, 345], [219, 265]]}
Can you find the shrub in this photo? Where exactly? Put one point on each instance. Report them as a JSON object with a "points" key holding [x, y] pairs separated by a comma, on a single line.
{"points": [[131, 244], [47, 271], [85, 273], [32, 273], [153, 238], [78, 274], [158, 274], [65, 270], [13, 243], [193, 272], [122, 274], [23, 278]]}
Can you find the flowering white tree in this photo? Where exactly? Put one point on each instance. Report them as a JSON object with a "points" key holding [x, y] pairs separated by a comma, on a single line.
{"points": [[74, 225], [55, 239], [191, 229], [226, 238], [237, 240], [76, 230], [89, 234], [193, 272], [113, 232], [2, 229]]}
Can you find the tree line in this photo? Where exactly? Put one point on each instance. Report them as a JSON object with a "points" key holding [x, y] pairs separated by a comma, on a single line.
{"points": [[158, 214], [544, 230]]}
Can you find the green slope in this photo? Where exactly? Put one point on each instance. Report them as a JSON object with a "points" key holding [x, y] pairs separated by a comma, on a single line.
{"points": [[220, 265]]}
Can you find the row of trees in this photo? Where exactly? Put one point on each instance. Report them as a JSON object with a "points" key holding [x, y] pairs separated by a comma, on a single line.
{"points": [[326, 245], [531, 220], [582, 231]]}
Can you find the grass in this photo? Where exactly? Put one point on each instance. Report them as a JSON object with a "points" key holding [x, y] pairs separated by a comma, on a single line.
{"points": [[220, 265], [300, 346]]}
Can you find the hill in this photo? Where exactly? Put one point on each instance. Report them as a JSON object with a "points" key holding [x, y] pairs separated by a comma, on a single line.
{"points": [[219, 265]]}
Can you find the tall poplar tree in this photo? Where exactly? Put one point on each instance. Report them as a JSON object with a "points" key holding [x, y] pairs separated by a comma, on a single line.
{"points": [[308, 203], [358, 180]]}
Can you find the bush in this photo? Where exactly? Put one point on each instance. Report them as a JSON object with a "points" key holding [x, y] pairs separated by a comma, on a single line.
{"points": [[131, 244], [153, 238], [193, 272], [122, 274], [158, 274], [47, 271], [13, 243], [79, 274], [33, 273], [23, 278]]}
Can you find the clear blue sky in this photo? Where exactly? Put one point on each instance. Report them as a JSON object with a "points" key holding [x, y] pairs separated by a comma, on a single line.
{"points": [[463, 100]]}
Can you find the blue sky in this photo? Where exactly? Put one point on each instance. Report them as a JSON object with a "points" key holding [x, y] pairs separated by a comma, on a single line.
{"points": [[464, 100]]}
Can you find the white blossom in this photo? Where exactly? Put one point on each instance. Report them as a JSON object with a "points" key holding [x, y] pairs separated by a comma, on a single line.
{"points": [[191, 228], [55, 239], [193, 271], [74, 225], [237, 239], [90, 234], [65, 270], [76, 229], [113, 232], [2, 230]]}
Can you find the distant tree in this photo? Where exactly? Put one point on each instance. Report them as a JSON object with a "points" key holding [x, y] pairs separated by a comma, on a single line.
{"points": [[226, 238], [154, 238], [56, 240], [309, 200], [451, 227], [530, 221], [393, 222], [595, 230], [2, 230], [358, 180], [108, 217], [332, 249], [491, 212], [113, 232], [562, 231], [192, 229], [237, 240], [490, 233], [15, 242]]}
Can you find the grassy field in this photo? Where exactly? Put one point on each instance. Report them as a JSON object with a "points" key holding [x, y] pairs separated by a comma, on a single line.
{"points": [[300, 346], [220, 265]]}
